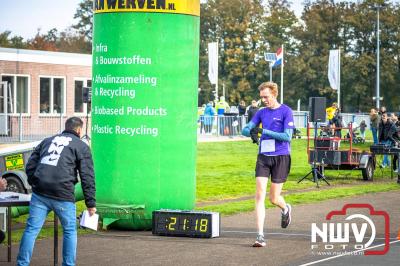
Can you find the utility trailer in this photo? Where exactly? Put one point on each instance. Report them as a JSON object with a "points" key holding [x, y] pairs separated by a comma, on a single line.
{"points": [[326, 152]]}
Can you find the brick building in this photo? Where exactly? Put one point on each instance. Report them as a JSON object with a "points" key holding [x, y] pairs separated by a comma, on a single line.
{"points": [[42, 88]]}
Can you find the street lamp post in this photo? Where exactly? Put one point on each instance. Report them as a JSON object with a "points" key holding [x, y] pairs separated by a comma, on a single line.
{"points": [[270, 71], [377, 60], [270, 58]]}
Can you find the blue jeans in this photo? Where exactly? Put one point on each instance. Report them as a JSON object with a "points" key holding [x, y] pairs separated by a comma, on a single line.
{"points": [[375, 134], [386, 161], [39, 208]]}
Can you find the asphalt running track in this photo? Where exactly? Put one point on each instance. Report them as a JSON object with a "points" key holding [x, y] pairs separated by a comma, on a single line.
{"points": [[289, 246]]}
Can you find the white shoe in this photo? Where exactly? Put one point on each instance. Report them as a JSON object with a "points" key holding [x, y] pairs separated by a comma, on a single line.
{"points": [[260, 242]]}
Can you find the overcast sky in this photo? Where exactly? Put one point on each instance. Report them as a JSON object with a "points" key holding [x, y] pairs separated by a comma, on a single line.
{"points": [[24, 17]]}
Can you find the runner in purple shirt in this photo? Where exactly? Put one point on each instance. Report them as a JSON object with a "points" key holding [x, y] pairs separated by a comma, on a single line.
{"points": [[274, 155]]}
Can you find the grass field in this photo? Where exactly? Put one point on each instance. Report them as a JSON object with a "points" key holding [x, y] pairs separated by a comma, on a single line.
{"points": [[225, 170]]}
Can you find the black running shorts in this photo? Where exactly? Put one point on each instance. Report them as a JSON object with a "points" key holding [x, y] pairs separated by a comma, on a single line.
{"points": [[278, 167]]}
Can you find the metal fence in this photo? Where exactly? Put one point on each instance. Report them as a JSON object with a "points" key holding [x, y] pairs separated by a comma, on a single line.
{"points": [[21, 128], [221, 125], [300, 118], [233, 125]]}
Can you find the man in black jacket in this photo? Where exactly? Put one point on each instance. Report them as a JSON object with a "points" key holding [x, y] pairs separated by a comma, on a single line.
{"points": [[387, 131], [52, 172], [252, 110], [395, 120]]}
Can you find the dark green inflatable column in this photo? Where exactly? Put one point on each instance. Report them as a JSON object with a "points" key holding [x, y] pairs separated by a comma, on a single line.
{"points": [[144, 91]]}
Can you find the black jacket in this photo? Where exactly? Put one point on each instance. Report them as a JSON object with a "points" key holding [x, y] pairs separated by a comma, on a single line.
{"points": [[242, 110], [53, 168], [397, 134], [251, 112], [386, 131]]}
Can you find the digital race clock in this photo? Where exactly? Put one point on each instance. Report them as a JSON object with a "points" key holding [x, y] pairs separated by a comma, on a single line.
{"points": [[186, 223]]}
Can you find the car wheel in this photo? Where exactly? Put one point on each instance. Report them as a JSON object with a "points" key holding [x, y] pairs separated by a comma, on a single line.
{"points": [[14, 184], [368, 171]]}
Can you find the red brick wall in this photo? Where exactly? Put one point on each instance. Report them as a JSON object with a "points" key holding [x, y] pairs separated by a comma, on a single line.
{"points": [[44, 125]]}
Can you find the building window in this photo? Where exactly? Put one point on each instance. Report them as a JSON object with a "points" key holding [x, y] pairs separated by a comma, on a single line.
{"points": [[80, 106], [52, 95], [17, 93], [45, 95]]}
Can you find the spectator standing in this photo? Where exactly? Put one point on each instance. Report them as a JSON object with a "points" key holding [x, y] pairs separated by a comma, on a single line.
{"points": [[363, 126], [382, 110], [387, 131], [201, 118], [242, 108], [337, 123], [374, 125], [331, 112], [232, 123], [222, 106], [252, 110], [209, 113], [52, 172], [395, 120], [242, 112]]}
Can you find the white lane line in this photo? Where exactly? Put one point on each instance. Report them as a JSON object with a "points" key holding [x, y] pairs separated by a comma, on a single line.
{"points": [[289, 234], [345, 254], [254, 233]]}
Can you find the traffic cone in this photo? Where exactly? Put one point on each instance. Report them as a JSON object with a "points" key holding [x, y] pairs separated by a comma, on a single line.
{"points": [[398, 235]]}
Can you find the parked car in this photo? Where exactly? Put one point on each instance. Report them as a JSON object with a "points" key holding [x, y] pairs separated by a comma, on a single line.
{"points": [[13, 160]]}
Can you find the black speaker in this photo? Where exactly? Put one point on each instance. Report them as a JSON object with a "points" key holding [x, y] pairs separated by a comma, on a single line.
{"points": [[317, 106], [87, 94], [326, 157], [326, 144]]}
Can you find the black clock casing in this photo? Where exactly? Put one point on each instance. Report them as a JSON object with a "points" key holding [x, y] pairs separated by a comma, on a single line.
{"points": [[186, 223]]}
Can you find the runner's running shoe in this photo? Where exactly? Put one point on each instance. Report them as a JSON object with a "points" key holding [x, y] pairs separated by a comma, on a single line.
{"points": [[260, 242], [286, 218]]}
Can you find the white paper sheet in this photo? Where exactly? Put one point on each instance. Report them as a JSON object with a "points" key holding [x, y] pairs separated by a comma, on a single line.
{"points": [[90, 222]]}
